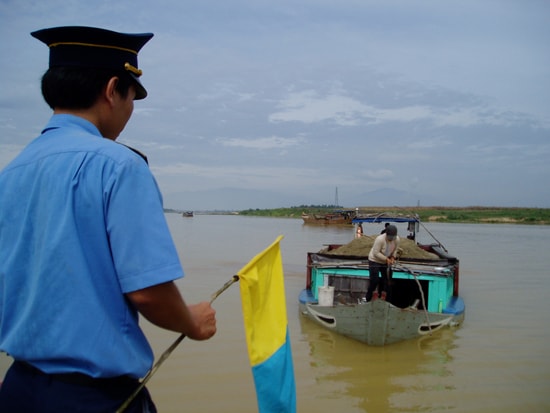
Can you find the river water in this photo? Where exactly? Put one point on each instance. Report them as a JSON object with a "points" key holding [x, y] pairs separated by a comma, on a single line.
{"points": [[497, 361]]}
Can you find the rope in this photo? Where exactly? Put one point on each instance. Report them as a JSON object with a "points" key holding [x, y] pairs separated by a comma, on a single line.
{"points": [[421, 295]]}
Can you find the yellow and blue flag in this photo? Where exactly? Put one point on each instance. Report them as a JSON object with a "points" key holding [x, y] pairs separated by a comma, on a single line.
{"points": [[266, 327]]}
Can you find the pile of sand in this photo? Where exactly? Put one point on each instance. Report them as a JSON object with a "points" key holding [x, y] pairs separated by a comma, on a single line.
{"points": [[360, 247]]}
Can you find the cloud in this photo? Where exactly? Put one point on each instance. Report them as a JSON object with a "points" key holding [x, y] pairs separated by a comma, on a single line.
{"points": [[310, 107], [380, 174], [199, 177], [429, 143], [273, 142], [301, 96]]}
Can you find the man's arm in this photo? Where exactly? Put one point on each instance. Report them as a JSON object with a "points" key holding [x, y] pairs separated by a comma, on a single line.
{"points": [[164, 306]]}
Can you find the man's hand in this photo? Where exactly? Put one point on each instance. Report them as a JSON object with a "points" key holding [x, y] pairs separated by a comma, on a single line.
{"points": [[164, 306], [204, 317]]}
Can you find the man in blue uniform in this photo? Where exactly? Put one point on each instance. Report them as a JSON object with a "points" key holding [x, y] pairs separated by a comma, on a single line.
{"points": [[84, 245]]}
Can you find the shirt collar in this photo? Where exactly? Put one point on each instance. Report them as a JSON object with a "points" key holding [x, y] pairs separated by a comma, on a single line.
{"points": [[65, 120]]}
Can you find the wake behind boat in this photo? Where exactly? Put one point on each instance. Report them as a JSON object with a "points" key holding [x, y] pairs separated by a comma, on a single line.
{"points": [[424, 298]]}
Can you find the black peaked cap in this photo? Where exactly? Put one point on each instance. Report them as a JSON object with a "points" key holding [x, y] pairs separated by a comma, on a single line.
{"points": [[97, 48]]}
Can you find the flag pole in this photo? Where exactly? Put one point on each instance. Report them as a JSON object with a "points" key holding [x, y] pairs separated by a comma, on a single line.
{"points": [[169, 350]]}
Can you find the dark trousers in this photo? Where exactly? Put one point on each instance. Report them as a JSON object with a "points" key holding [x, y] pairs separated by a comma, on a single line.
{"points": [[28, 390], [379, 279]]}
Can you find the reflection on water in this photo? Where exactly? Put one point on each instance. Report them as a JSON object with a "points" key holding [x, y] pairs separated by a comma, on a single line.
{"points": [[380, 379]]}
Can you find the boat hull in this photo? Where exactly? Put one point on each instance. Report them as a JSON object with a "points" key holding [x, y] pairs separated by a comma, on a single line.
{"points": [[336, 218], [378, 322]]}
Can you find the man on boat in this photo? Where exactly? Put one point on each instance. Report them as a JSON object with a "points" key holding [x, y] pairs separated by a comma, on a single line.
{"points": [[381, 257], [84, 244]]}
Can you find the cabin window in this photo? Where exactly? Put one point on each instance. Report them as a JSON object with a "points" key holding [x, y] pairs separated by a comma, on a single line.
{"points": [[348, 289]]}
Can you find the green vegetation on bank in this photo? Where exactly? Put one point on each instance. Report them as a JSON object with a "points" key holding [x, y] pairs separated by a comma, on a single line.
{"points": [[491, 215]]}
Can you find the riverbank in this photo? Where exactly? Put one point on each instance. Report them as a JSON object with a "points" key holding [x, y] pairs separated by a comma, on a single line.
{"points": [[482, 215]]}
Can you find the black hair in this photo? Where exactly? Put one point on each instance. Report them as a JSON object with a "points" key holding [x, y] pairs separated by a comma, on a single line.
{"points": [[78, 88]]}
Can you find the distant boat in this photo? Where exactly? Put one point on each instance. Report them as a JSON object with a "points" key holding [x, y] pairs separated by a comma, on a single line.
{"points": [[187, 214], [336, 217], [339, 217], [424, 293]]}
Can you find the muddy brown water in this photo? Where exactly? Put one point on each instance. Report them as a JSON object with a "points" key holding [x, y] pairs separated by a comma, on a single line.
{"points": [[497, 361]]}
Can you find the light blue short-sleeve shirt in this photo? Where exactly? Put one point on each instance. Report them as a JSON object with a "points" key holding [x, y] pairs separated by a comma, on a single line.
{"points": [[81, 224]]}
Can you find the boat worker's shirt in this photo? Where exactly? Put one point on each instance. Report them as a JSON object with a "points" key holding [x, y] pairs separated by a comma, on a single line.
{"points": [[81, 224], [381, 249]]}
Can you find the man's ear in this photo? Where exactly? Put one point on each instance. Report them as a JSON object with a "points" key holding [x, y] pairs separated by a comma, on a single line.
{"points": [[110, 89]]}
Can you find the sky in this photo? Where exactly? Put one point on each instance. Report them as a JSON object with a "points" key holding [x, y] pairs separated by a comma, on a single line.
{"points": [[268, 104]]}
